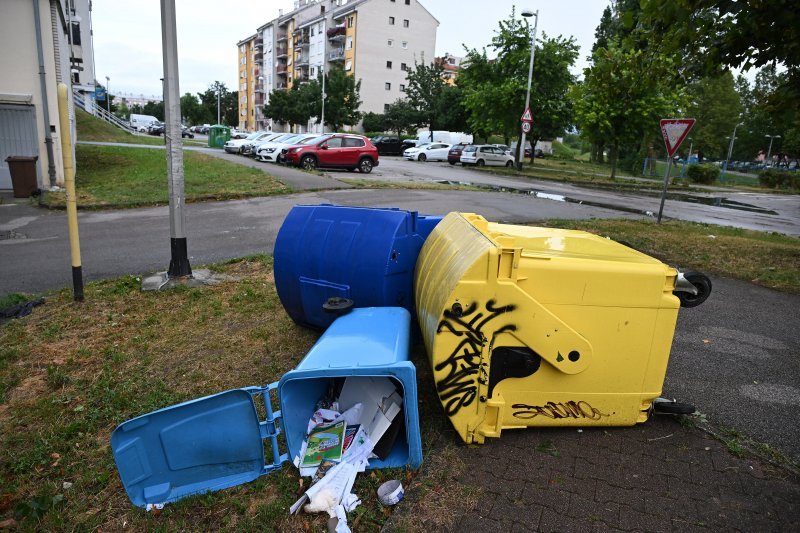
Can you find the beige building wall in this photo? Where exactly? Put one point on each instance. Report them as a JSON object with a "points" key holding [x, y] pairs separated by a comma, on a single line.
{"points": [[379, 42], [19, 64]]}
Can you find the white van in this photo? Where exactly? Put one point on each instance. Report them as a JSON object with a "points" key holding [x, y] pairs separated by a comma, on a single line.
{"points": [[447, 137], [140, 122]]}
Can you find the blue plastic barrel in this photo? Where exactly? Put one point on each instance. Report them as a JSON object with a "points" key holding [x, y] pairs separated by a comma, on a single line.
{"points": [[365, 254]]}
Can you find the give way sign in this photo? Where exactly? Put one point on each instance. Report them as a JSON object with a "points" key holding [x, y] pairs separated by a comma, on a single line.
{"points": [[675, 131]]}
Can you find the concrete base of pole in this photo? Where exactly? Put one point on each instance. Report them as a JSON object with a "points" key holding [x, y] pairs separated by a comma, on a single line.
{"points": [[161, 281]]}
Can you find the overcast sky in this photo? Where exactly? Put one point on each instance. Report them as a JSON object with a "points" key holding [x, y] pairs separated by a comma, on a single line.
{"points": [[127, 34]]}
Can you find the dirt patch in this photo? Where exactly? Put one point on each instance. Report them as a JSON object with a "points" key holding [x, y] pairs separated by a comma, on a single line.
{"points": [[265, 497], [30, 388]]}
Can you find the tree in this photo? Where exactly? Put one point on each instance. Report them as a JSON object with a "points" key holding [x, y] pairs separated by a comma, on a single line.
{"points": [[622, 97], [192, 111], [122, 110], [374, 122], [342, 100], [228, 103], [155, 109], [402, 117], [424, 90], [279, 107], [715, 104], [451, 111]]}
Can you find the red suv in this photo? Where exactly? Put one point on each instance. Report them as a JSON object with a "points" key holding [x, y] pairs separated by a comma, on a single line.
{"points": [[334, 151]]}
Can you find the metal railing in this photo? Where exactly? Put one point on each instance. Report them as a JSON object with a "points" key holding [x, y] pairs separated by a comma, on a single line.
{"points": [[100, 112]]}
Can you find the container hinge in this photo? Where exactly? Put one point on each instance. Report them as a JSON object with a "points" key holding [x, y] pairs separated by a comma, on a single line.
{"points": [[270, 428]]}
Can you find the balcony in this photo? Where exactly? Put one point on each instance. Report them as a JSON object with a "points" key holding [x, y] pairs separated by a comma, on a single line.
{"points": [[302, 78], [336, 55], [337, 33], [301, 60], [281, 51], [280, 87], [258, 56], [282, 69], [301, 40], [282, 37]]}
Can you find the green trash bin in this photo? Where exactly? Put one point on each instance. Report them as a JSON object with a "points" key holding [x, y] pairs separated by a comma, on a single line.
{"points": [[218, 135]]}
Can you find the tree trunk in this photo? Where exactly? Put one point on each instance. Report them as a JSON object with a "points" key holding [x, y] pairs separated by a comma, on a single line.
{"points": [[519, 153], [613, 156], [533, 148]]}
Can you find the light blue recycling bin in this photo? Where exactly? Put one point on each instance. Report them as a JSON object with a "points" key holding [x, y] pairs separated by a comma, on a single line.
{"points": [[220, 441]]}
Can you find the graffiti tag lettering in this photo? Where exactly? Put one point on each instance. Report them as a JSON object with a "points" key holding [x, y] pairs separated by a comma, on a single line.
{"points": [[458, 387], [553, 410]]}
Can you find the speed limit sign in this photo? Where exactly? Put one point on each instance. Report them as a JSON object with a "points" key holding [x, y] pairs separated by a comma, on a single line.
{"points": [[526, 127]]}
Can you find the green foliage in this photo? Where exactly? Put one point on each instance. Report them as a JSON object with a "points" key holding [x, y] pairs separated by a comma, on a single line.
{"points": [[705, 174], [228, 103], [342, 99], [193, 112], [424, 90], [374, 122], [716, 106], [155, 109], [775, 178], [401, 117]]}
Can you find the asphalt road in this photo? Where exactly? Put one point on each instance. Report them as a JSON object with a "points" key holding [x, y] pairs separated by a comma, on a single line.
{"points": [[734, 357]]}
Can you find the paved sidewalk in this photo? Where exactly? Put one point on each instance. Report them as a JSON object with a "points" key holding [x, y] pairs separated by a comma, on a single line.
{"points": [[657, 476]]}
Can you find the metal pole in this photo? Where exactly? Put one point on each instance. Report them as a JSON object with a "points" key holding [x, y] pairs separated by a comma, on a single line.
{"points": [[108, 96], [218, 93], [322, 68], [48, 138], [730, 151], [521, 149], [769, 152], [179, 262], [664, 190]]}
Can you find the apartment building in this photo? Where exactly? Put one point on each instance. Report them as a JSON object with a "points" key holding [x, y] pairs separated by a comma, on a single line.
{"points": [[451, 65], [29, 124], [376, 41]]}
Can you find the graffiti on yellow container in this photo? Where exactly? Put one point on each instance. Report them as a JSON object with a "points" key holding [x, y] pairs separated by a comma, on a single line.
{"points": [[458, 387], [554, 410]]}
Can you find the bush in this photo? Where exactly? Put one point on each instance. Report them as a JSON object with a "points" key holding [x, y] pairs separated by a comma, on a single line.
{"points": [[706, 174], [562, 151], [779, 179], [372, 134]]}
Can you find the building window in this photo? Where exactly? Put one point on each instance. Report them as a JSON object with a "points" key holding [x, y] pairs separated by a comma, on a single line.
{"points": [[312, 31], [408, 2], [391, 21], [390, 42], [349, 44], [348, 65], [405, 23], [350, 21], [405, 44], [388, 64], [388, 86], [385, 108], [313, 72], [402, 88], [403, 66]]}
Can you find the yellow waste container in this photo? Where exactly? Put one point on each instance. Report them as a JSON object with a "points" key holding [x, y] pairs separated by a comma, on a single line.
{"points": [[528, 326]]}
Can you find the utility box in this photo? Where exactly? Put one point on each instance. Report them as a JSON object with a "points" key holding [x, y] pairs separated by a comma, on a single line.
{"points": [[363, 254], [23, 175], [528, 326], [218, 135], [220, 441]]}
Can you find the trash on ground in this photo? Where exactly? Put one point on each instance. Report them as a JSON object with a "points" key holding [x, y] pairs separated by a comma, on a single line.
{"points": [[391, 492]]}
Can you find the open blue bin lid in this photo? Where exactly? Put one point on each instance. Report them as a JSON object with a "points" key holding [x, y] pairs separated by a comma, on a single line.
{"points": [[198, 446]]}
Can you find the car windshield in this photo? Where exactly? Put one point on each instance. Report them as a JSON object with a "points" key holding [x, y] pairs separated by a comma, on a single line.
{"points": [[283, 137], [423, 145], [253, 136], [470, 148], [292, 139]]}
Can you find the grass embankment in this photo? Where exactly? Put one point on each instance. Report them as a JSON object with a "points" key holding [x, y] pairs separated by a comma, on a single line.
{"points": [[90, 128], [70, 373], [112, 176]]}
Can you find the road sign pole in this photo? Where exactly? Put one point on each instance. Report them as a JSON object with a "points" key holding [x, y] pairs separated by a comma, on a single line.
{"points": [[664, 190]]}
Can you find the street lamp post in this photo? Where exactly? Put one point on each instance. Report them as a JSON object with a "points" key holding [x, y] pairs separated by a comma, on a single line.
{"points": [[219, 90], [108, 95], [730, 151], [521, 148], [769, 151]]}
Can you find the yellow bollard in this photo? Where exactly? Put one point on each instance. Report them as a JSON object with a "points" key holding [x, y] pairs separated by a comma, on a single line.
{"points": [[69, 184]]}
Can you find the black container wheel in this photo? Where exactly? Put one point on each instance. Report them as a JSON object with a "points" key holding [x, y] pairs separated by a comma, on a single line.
{"points": [[703, 285]]}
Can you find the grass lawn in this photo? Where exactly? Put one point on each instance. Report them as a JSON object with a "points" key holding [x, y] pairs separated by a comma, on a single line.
{"points": [[69, 373], [90, 128], [111, 176]]}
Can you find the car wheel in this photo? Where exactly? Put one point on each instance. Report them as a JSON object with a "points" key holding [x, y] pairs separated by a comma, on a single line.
{"points": [[509, 163], [421, 157], [452, 163], [309, 162], [365, 165], [480, 163]]}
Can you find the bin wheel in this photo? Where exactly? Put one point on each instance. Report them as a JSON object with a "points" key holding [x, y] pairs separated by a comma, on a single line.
{"points": [[703, 285], [671, 407], [338, 306]]}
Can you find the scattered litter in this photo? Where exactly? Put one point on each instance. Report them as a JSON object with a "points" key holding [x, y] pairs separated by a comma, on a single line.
{"points": [[712, 236], [344, 433], [707, 448], [706, 341], [391, 492], [20, 310], [154, 507], [66, 485], [580, 431], [659, 438]]}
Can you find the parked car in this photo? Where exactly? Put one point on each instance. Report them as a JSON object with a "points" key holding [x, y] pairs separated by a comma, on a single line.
{"points": [[155, 128], [388, 145], [186, 132], [238, 134], [454, 155], [485, 154], [506, 149], [335, 151], [271, 152], [275, 138], [248, 148], [428, 152], [234, 146]]}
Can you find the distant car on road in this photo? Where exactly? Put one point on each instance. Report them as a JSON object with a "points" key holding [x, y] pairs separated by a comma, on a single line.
{"points": [[186, 132], [454, 155], [234, 146], [334, 151], [155, 128], [485, 155], [428, 152]]}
